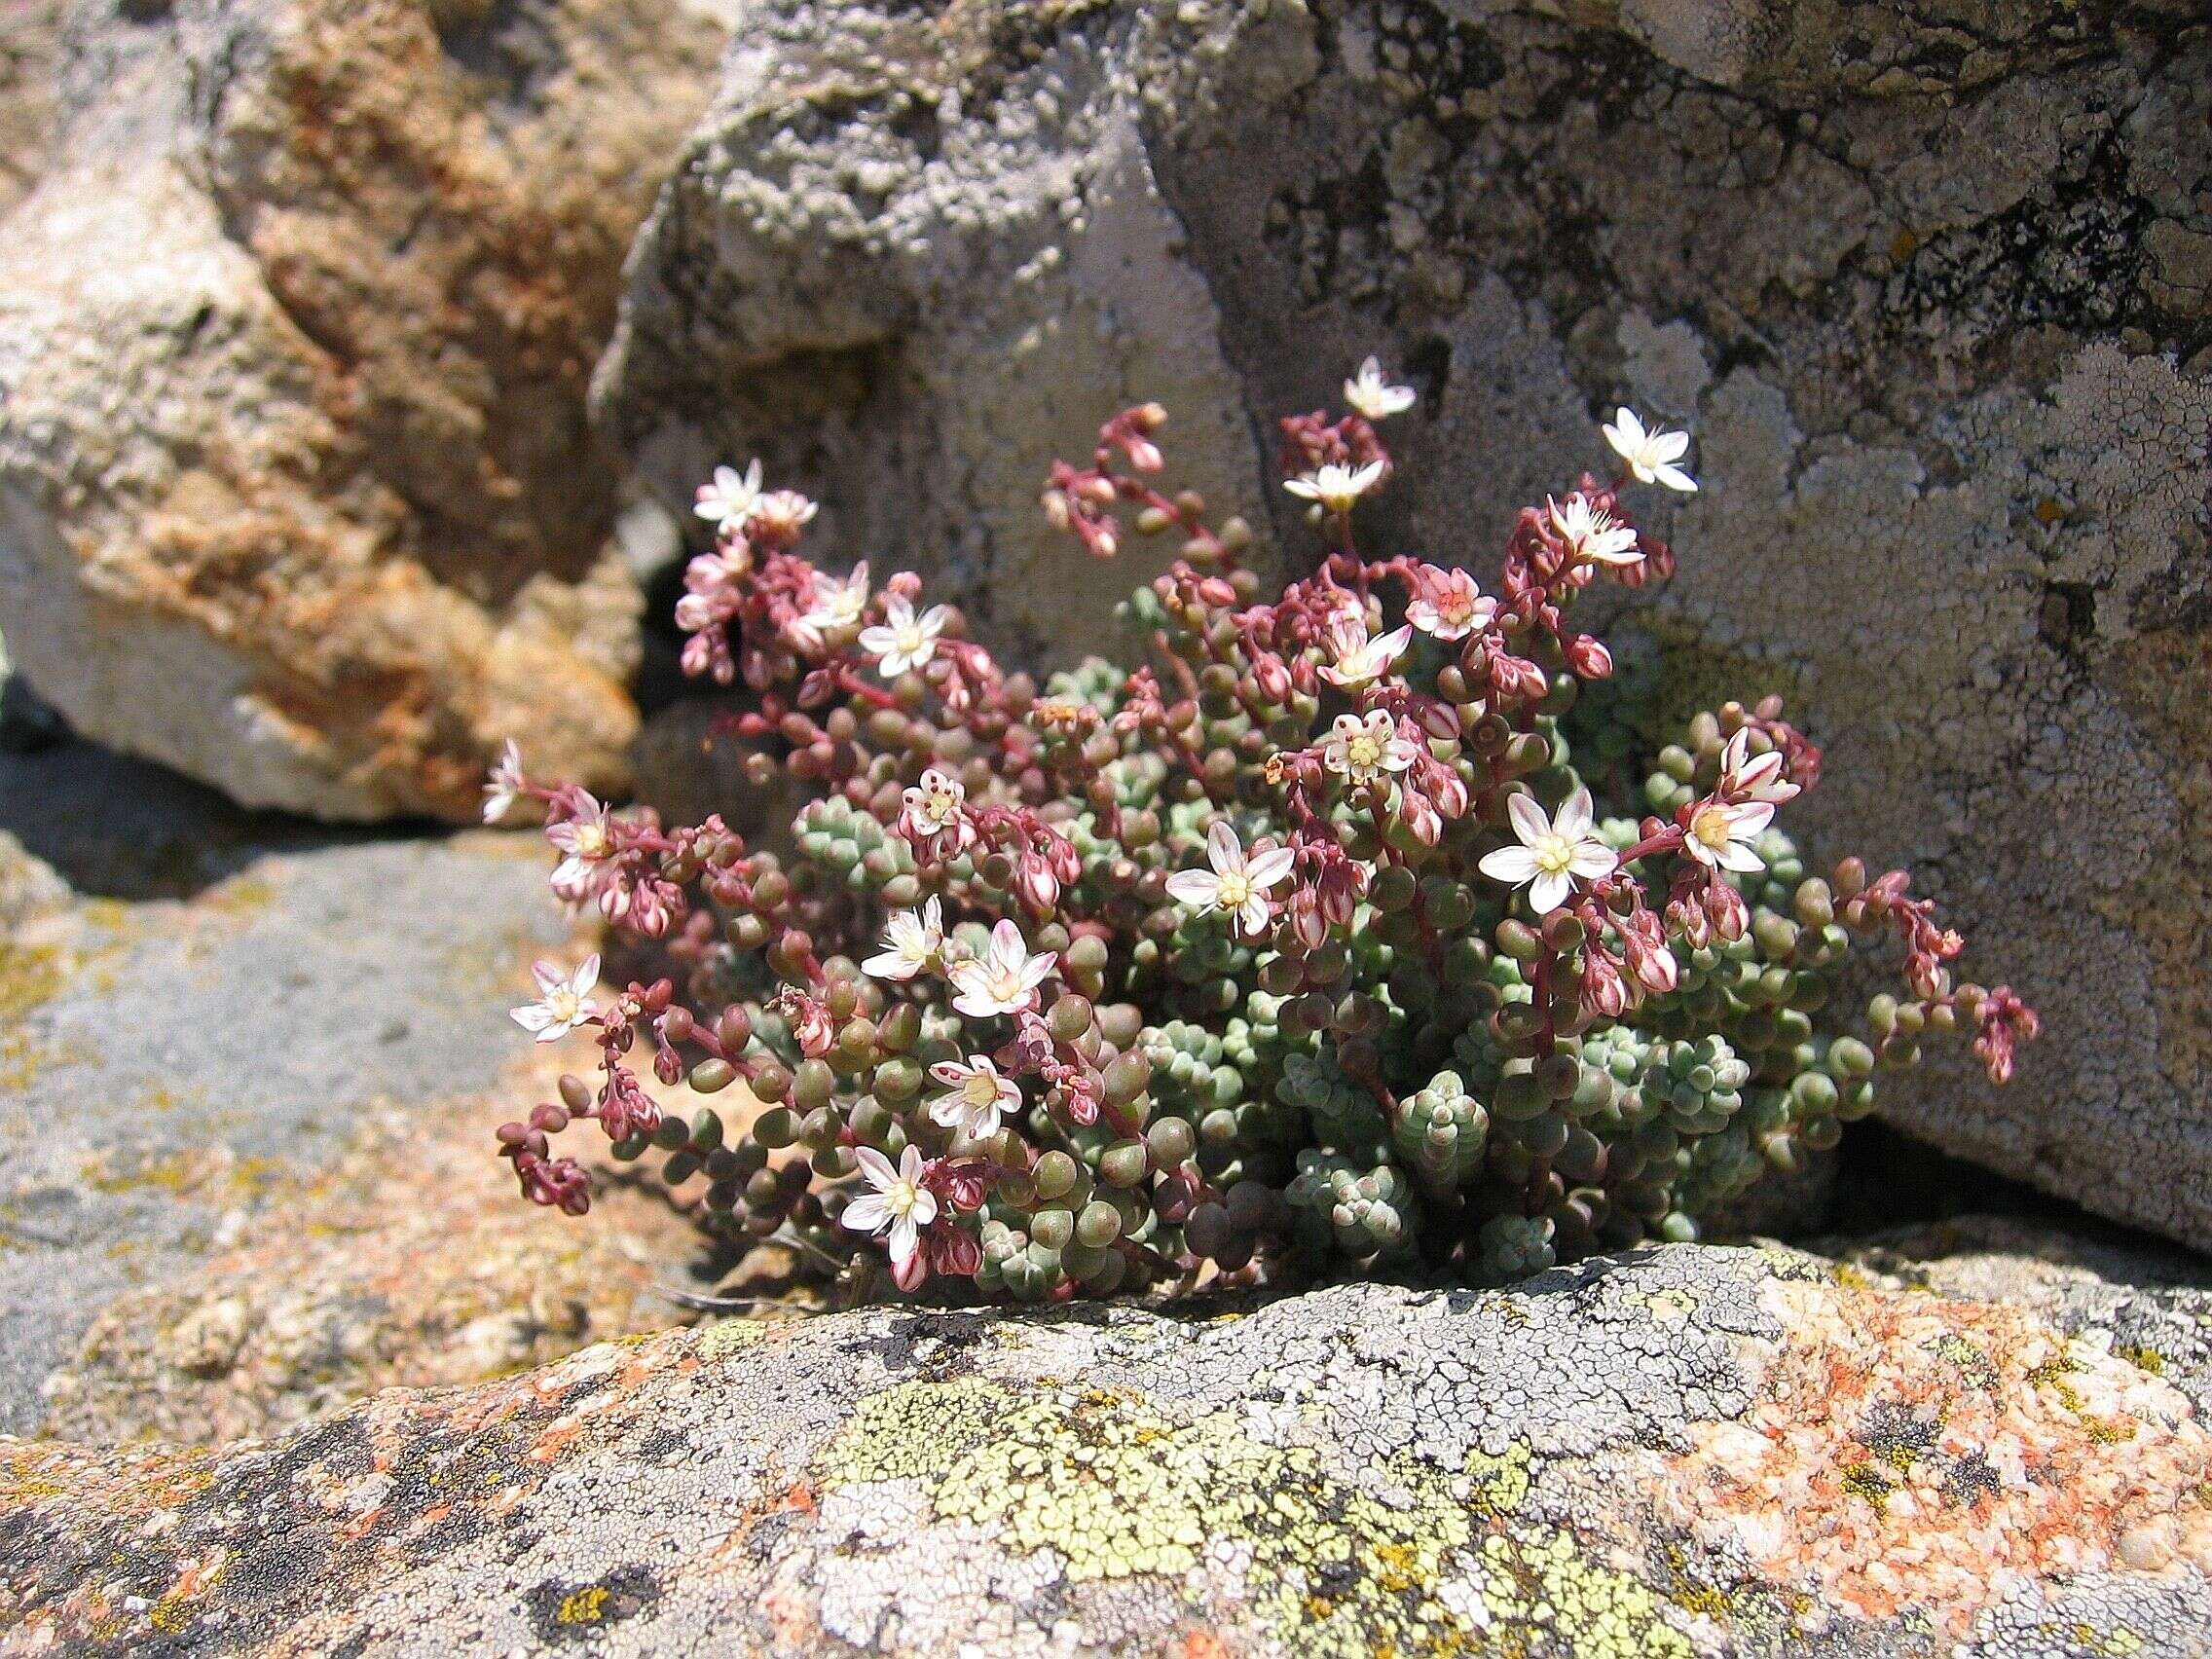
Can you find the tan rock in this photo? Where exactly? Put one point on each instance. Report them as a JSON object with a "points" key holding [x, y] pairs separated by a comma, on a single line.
{"points": [[296, 493]]}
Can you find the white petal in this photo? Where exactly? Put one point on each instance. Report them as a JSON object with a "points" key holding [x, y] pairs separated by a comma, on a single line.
{"points": [[905, 1239], [1749, 819], [1223, 849], [1670, 445], [875, 1168], [1593, 859], [1510, 865], [1270, 867], [1736, 856], [867, 1213], [587, 975], [1255, 916], [1548, 892], [1573, 819], [951, 1073], [1194, 887], [1529, 819], [531, 1017], [949, 1110], [1675, 478], [910, 1164]]}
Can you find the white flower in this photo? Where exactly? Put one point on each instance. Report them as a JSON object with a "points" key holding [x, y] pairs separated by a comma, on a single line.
{"points": [[1375, 397], [1718, 835], [1449, 604], [1005, 978], [1590, 531], [979, 1096], [1651, 455], [1552, 853], [586, 838], [1363, 749], [898, 1200], [1336, 487], [505, 784], [783, 514], [937, 807], [562, 1000], [911, 942], [838, 605], [1236, 886], [1358, 658], [902, 641], [728, 502], [1743, 778]]}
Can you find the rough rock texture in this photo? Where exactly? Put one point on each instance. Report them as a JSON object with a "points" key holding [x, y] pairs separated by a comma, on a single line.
{"points": [[221, 1037], [1931, 282], [296, 493], [2153, 1308], [1690, 1451], [29, 33]]}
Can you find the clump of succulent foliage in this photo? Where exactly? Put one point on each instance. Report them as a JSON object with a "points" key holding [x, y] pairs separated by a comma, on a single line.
{"points": [[1304, 938]]}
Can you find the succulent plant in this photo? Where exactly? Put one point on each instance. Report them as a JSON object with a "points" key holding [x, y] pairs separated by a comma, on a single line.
{"points": [[1303, 939]]}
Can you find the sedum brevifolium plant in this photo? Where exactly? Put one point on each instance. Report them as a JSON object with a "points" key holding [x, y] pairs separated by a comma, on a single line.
{"points": [[1301, 938]]}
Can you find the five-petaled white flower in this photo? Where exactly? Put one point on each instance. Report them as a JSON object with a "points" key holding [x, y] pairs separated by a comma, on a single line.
{"points": [[1553, 851], [978, 1095], [1235, 886], [1336, 487], [1743, 778], [838, 605], [1651, 455], [1449, 604], [904, 641], [1720, 835], [1358, 658], [1364, 749], [1590, 531], [505, 784], [728, 502], [937, 807], [564, 1000], [897, 1199], [912, 940], [1003, 979], [586, 838], [1374, 396]]}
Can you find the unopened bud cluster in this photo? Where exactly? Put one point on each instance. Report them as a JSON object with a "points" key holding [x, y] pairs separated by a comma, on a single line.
{"points": [[1301, 938]]}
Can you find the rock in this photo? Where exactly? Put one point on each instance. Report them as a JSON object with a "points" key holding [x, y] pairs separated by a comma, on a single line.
{"points": [[2151, 1307], [201, 1013], [296, 493], [1686, 1450], [28, 43], [1927, 286]]}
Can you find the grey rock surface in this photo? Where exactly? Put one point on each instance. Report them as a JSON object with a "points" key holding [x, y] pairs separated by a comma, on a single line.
{"points": [[200, 1009], [296, 491], [1686, 1450], [1932, 284]]}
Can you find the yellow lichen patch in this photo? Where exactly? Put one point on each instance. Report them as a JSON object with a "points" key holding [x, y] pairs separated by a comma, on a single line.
{"points": [[1593, 1612], [584, 1606], [1499, 1483], [2143, 1358], [1117, 1488]]}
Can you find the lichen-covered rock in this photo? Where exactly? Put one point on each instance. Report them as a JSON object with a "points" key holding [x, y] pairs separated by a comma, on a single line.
{"points": [[203, 1015], [1928, 281], [296, 493], [1684, 1452]]}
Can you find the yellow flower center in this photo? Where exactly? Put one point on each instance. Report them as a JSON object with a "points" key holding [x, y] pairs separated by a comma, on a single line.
{"points": [[1364, 751], [592, 840], [1553, 854], [910, 640], [1710, 827], [982, 1089], [1235, 889]]}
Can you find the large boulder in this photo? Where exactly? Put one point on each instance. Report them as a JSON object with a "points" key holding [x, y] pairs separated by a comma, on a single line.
{"points": [[1683, 1451], [1931, 283], [296, 490]]}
